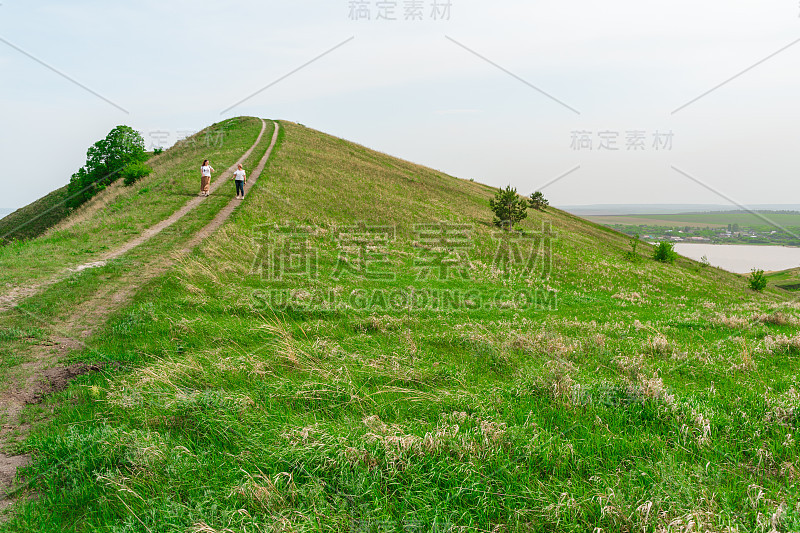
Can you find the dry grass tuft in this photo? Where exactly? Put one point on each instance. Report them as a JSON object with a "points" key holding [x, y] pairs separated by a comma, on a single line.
{"points": [[733, 322], [267, 494], [784, 409], [376, 323], [652, 389], [782, 343], [202, 527], [632, 297], [777, 318], [659, 345], [694, 522], [458, 434], [747, 363]]}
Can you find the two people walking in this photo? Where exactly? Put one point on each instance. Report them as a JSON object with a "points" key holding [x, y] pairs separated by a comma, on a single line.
{"points": [[239, 177]]}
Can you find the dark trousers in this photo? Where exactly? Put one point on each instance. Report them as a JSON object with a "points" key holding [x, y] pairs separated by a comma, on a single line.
{"points": [[239, 187]]}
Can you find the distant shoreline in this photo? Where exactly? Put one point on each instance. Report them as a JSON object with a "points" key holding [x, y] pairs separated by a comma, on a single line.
{"points": [[670, 209], [758, 244]]}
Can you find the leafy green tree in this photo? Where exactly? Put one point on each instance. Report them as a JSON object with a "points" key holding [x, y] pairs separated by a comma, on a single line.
{"points": [[758, 281], [105, 160], [665, 252], [538, 201], [509, 208]]}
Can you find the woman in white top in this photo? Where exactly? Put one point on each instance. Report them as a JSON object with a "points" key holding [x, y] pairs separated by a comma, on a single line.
{"points": [[205, 178], [240, 177]]}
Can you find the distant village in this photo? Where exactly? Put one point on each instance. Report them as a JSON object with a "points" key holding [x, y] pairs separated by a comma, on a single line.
{"points": [[733, 234]]}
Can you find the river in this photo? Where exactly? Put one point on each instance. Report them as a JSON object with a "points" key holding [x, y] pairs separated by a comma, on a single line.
{"points": [[742, 258]]}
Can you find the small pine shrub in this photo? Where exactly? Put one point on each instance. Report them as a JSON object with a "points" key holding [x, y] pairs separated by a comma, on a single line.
{"points": [[538, 201], [133, 173], [508, 207], [158, 150], [632, 256], [665, 252], [758, 281]]}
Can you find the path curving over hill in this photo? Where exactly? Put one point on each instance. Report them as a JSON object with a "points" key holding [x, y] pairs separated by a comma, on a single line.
{"points": [[17, 294], [43, 370]]}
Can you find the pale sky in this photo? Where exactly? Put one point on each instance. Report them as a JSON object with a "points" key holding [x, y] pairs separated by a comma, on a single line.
{"points": [[416, 89]]}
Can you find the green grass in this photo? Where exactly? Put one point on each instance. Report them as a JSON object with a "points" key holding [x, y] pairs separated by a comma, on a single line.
{"points": [[786, 279], [35, 218], [55, 309], [639, 396], [121, 213]]}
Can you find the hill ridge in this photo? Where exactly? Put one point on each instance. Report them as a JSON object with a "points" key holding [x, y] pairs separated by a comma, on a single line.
{"points": [[15, 294], [356, 349]]}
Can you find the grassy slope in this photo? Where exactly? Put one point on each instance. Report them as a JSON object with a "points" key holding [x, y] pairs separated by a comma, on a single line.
{"points": [[653, 396], [785, 279], [35, 218], [72, 306], [120, 213]]}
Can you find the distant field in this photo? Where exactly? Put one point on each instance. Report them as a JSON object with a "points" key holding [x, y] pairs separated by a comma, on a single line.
{"points": [[786, 279], [650, 220], [703, 220]]}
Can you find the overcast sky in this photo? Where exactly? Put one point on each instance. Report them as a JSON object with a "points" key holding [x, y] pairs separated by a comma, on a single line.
{"points": [[502, 92]]}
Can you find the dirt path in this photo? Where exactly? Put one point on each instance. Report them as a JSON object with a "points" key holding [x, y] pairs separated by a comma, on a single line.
{"points": [[226, 211], [45, 374], [17, 294]]}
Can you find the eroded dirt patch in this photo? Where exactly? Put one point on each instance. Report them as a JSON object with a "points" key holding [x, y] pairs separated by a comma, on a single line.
{"points": [[8, 472], [56, 379], [46, 382]]}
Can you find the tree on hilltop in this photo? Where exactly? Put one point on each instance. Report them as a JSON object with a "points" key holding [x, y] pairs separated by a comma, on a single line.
{"points": [[538, 201], [123, 146]]}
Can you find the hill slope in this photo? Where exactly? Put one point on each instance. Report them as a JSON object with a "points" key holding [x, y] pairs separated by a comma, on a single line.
{"points": [[788, 280], [35, 218], [119, 214], [359, 350]]}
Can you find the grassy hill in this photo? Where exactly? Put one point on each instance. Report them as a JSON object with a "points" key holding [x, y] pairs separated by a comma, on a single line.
{"points": [[358, 349], [119, 213], [788, 280], [35, 218]]}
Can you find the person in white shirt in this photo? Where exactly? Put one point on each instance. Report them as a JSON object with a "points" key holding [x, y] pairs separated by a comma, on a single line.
{"points": [[240, 177], [205, 178]]}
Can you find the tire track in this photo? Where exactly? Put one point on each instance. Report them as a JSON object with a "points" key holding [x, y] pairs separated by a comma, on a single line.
{"points": [[17, 294], [86, 317]]}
